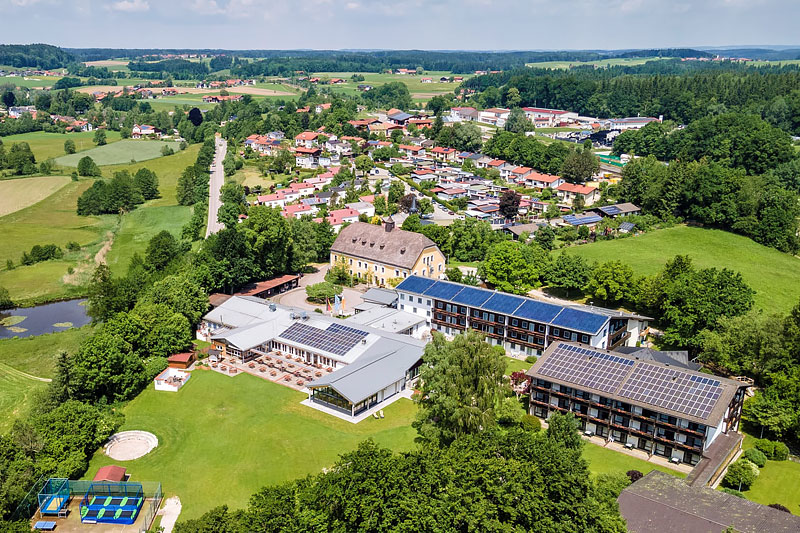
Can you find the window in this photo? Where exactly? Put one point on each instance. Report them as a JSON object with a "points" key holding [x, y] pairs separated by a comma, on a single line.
{"points": [[351, 262], [556, 332], [402, 306], [429, 303], [402, 296], [584, 339], [419, 300]]}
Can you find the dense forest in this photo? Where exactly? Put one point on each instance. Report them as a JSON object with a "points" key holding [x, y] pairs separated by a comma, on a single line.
{"points": [[42, 56], [680, 91]]}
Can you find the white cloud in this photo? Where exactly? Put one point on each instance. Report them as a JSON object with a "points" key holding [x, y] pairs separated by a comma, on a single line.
{"points": [[352, 5], [131, 6]]}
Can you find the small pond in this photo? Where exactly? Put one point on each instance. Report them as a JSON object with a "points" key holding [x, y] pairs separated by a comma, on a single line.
{"points": [[41, 319]]}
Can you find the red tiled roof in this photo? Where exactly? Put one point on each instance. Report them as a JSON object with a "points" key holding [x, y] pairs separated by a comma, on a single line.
{"points": [[521, 170], [110, 473], [573, 188], [496, 163], [307, 136], [184, 357]]}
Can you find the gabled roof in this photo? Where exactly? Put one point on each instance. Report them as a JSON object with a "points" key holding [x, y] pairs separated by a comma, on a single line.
{"points": [[368, 241], [576, 189], [307, 136]]}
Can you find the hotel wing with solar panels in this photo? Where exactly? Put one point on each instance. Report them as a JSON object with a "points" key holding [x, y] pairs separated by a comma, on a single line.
{"points": [[523, 326], [656, 407], [369, 365]]}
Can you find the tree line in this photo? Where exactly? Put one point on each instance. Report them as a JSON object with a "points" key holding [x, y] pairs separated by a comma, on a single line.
{"points": [[680, 91]]}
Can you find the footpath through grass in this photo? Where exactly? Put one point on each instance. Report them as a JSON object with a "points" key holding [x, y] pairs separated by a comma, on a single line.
{"points": [[772, 274], [222, 438], [22, 360]]}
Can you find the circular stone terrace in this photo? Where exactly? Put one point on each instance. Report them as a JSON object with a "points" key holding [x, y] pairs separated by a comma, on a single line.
{"points": [[130, 445]]}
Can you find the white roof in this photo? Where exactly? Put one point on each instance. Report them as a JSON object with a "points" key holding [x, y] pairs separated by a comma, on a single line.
{"points": [[386, 319]]}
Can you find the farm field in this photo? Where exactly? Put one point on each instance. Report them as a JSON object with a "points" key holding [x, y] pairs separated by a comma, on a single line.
{"points": [[419, 91], [120, 152], [16, 194], [612, 62], [22, 361], [51, 145], [52, 220], [138, 227], [31, 82], [772, 274], [222, 438]]}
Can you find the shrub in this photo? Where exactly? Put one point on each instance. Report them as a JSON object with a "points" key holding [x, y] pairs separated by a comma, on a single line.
{"points": [[734, 492], [779, 507], [530, 423], [531, 359], [756, 457], [781, 452], [741, 475], [774, 450], [87, 167], [167, 150], [634, 475], [766, 446], [73, 246]]}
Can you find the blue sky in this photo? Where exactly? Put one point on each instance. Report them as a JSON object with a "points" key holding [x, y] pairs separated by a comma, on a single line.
{"points": [[403, 24]]}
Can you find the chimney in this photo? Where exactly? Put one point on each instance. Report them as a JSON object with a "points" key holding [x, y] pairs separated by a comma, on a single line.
{"points": [[388, 224]]}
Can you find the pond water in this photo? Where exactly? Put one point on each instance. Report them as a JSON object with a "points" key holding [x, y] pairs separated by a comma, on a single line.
{"points": [[41, 319]]}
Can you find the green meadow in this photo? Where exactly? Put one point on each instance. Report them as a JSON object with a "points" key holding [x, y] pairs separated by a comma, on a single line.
{"points": [[120, 152], [772, 274]]}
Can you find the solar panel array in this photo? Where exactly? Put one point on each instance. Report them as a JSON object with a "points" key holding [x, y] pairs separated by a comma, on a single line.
{"points": [[611, 210], [520, 307], [337, 339], [579, 220], [586, 368], [672, 389]]}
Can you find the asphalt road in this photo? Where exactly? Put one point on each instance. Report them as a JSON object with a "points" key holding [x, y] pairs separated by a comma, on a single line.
{"points": [[215, 184]]}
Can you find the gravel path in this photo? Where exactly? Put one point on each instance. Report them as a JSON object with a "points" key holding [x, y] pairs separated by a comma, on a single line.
{"points": [[215, 184]]}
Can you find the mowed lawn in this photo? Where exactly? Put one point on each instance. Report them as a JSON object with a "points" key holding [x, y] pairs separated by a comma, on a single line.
{"points": [[51, 145], [16, 194], [138, 227], [120, 152], [772, 274], [22, 360], [222, 438], [604, 461]]}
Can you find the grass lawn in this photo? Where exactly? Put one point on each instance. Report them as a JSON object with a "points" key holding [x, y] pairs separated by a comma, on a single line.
{"points": [[250, 177], [516, 365], [16, 194], [138, 227], [772, 274], [420, 92], [120, 152], [23, 359], [605, 461], [51, 145], [16, 392], [222, 438]]}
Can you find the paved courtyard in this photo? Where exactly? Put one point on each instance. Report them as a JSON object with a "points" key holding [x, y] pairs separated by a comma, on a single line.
{"points": [[297, 297]]}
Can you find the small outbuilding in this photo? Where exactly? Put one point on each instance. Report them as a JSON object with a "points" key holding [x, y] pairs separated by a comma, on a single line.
{"points": [[181, 360], [111, 473]]}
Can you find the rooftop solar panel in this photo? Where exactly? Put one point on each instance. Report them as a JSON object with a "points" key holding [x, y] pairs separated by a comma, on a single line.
{"points": [[415, 284], [586, 367], [472, 296], [672, 389], [337, 339], [443, 290], [538, 311], [579, 320], [503, 303], [611, 210]]}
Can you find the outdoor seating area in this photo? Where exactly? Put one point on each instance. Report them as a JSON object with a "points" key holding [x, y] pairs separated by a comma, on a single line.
{"points": [[274, 366]]}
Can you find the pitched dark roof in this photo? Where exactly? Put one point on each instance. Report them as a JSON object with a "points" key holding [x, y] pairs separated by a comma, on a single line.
{"points": [[661, 502], [373, 243], [673, 358]]}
